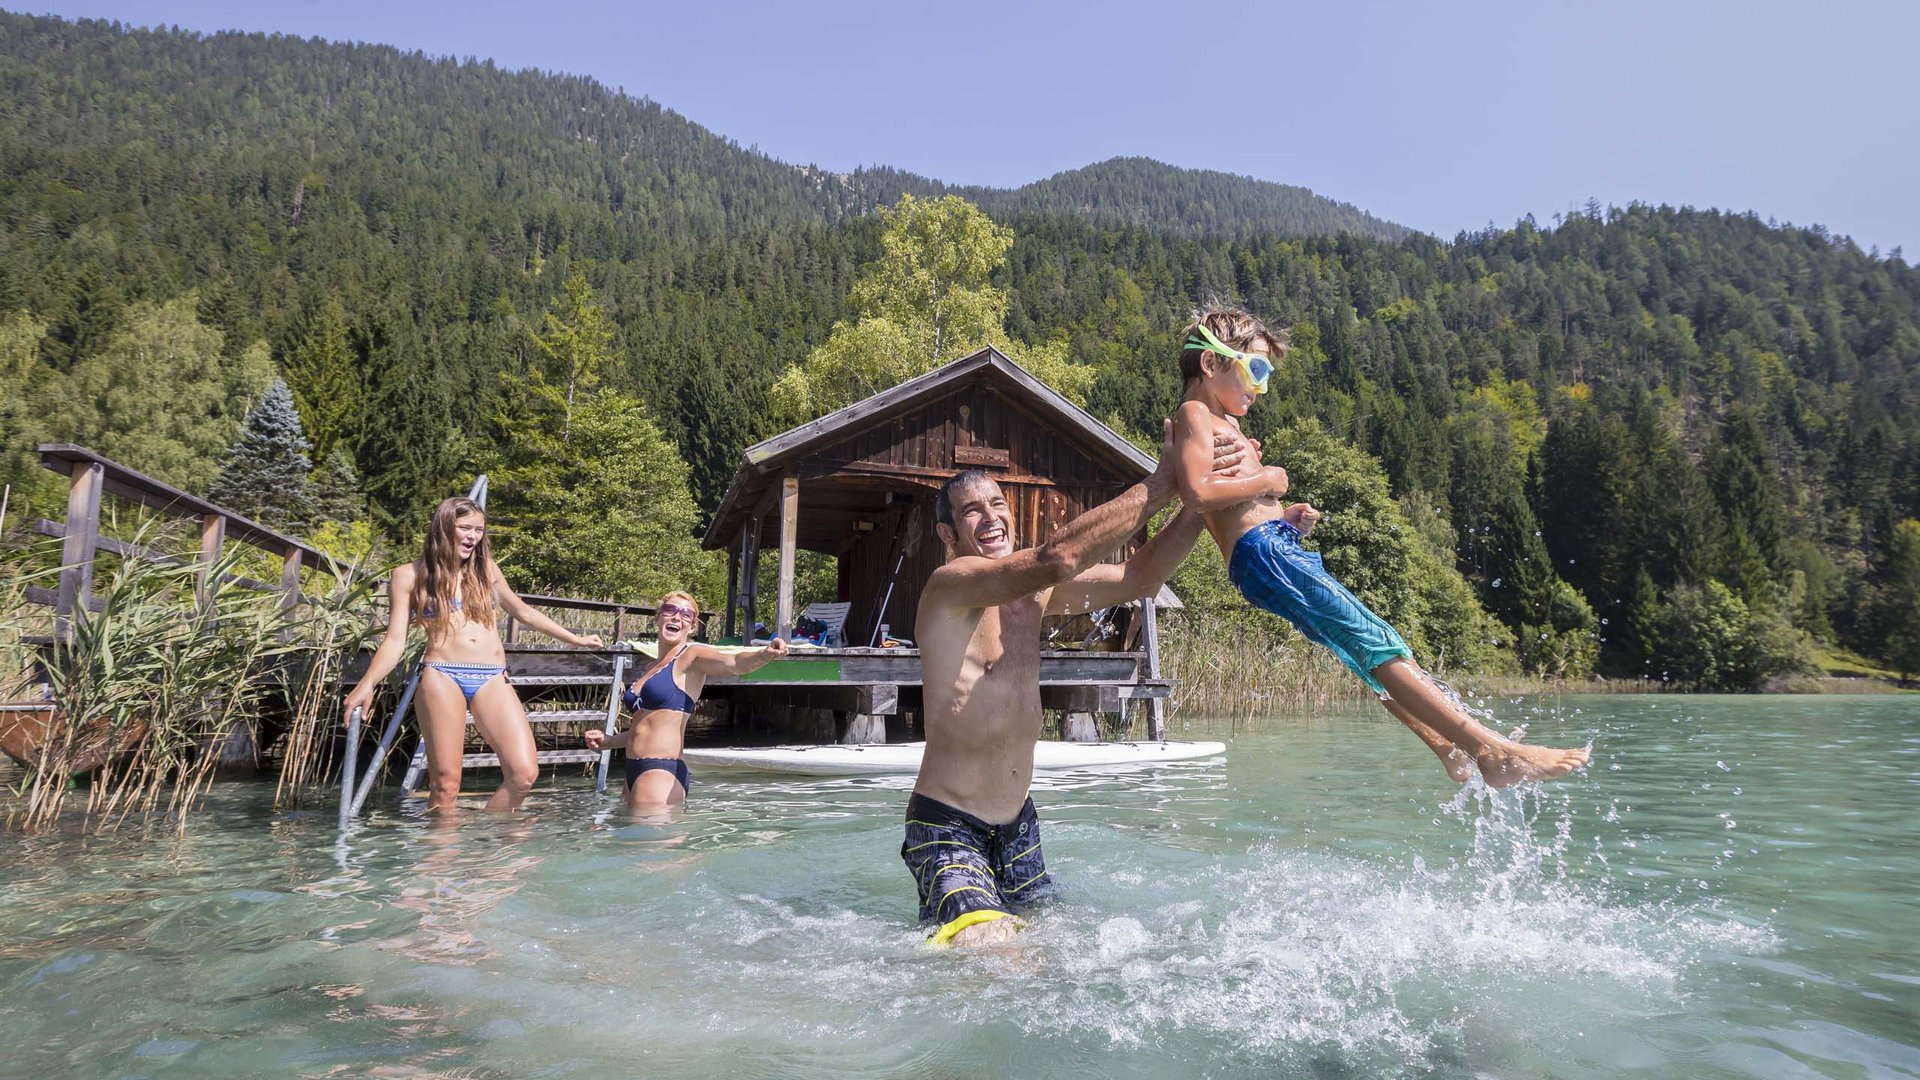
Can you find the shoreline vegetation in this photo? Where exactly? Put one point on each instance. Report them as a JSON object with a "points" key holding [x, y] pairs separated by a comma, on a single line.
{"points": [[1219, 672]]}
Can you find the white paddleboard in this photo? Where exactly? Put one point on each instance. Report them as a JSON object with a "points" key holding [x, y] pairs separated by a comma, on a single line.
{"points": [[881, 758]]}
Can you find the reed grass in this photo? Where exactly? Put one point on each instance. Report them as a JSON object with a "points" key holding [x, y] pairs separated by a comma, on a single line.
{"points": [[151, 687], [337, 626], [1223, 671]]}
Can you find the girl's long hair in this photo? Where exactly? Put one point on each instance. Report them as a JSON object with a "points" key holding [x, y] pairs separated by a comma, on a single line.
{"points": [[443, 576]]}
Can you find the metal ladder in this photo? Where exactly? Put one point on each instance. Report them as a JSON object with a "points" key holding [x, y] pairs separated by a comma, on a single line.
{"points": [[607, 715]]}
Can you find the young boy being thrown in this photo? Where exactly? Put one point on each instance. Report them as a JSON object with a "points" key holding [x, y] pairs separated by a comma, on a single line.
{"points": [[1225, 363]]}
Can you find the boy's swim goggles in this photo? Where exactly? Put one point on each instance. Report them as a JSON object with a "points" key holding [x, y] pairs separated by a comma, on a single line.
{"points": [[1254, 368]]}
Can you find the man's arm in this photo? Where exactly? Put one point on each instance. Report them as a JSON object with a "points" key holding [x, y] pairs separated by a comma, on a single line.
{"points": [[977, 582], [1194, 453], [1107, 584]]}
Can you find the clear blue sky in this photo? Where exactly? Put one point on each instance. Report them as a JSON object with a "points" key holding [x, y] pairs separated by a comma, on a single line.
{"points": [[1439, 116]]}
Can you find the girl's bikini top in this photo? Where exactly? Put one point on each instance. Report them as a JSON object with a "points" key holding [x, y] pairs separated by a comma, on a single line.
{"points": [[431, 612], [660, 691]]}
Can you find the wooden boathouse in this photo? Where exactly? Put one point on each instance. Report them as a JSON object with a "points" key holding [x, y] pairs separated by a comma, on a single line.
{"points": [[859, 484]]}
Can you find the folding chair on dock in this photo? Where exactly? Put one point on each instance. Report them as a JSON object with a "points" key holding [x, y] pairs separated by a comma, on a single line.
{"points": [[834, 618]]}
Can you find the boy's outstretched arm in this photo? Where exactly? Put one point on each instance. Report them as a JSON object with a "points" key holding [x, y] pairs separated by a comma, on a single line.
{"points": [[1201, 489]]}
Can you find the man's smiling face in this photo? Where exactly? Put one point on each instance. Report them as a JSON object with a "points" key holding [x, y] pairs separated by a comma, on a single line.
{"points": [[982, 523]]}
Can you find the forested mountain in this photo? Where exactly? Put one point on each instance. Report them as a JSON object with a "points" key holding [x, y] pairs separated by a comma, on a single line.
{"points": [[1143, 193], [1637, 431]]}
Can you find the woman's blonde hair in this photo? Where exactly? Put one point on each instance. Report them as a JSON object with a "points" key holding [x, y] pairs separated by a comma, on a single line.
{"points": [[692, 602]]}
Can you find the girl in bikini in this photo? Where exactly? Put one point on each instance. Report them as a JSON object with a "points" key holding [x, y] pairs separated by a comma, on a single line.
{"points": [[456, 588], [663, 697]]}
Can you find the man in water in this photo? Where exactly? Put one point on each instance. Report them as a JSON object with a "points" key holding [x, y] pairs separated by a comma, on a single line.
{"points": [[973, 842]]}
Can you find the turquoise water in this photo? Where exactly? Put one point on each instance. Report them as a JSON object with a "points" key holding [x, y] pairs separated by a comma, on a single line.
{"points": [[1734, 890]]}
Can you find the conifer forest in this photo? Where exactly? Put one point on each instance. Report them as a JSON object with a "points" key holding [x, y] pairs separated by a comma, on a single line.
{"points": [[326, 284]]}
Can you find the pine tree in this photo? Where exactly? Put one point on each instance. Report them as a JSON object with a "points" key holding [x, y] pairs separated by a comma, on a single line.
{"points": [[1898, 599], [1747, 488], [407, 452], [263, 475], [337, 494], [1642, 642], [574, 348], [622, 526], [325, 379], [85, 320]]}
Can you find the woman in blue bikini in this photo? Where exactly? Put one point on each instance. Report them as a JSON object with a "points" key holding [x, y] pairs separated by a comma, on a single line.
{"points": [[664, 696], [458, 591]]}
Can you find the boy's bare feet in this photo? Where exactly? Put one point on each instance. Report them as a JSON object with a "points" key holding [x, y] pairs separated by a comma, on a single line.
{"points": [[1508, 763], [1418, 702]]}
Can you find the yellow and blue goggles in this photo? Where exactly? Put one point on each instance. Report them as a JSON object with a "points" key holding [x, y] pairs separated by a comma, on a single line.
{"points": [[1254, 368]]}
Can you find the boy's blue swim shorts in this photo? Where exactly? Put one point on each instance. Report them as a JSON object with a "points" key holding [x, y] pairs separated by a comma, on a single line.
{"points": [[1276, 574]]}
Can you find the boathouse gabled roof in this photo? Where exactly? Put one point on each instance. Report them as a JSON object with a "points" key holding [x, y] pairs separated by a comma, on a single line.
{"points": [[763, 462]]}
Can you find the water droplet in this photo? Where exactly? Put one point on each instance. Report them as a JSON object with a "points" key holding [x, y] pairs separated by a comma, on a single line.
{"points": [[1496, 583]]}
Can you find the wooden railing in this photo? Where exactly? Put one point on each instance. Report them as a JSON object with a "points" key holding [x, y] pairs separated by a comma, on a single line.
{"points": [[618, 611], [92, 476]]}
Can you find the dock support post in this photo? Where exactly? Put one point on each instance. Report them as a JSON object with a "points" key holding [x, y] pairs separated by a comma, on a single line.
{"points": [[789, 535], [1150, 628], [734, 551], [750, 575], [869, 723]]}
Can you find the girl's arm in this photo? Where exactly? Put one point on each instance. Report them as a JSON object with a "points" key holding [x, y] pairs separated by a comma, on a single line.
{"points": [[392, 647], [708, 660], [532, 616], [1202, 489], [600, 740]]}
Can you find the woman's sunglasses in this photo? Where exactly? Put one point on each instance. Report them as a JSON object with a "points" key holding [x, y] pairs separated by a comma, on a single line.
{"points": [[1255, 368], [665, 610]]}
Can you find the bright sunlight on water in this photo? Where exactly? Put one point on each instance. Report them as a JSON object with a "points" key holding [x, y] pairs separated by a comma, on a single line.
{"points": [[1730, 891]]}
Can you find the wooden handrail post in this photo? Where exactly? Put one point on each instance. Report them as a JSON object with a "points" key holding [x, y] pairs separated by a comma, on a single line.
{"points": [[290, 580], [213, 534], [82, 540], [619, 625]]}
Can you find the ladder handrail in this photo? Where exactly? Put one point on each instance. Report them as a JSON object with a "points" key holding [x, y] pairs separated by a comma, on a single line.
{"points": [[387, 738], [613, 715], [352, 758]]}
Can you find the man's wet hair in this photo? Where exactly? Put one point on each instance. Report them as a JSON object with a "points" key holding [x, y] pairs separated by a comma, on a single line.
{"points": [[943, 502]]}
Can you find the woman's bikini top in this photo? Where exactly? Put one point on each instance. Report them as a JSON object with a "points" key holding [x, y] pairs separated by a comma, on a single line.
{"points": [[660, 691], [430, 612]]}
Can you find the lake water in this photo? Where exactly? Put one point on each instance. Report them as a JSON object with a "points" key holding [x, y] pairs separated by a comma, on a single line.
{"points": [[1733, 890]]}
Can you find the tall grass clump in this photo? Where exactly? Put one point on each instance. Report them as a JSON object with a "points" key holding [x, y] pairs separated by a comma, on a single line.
{"points": [[338, 626], [150, 683], [1223, 668]]}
